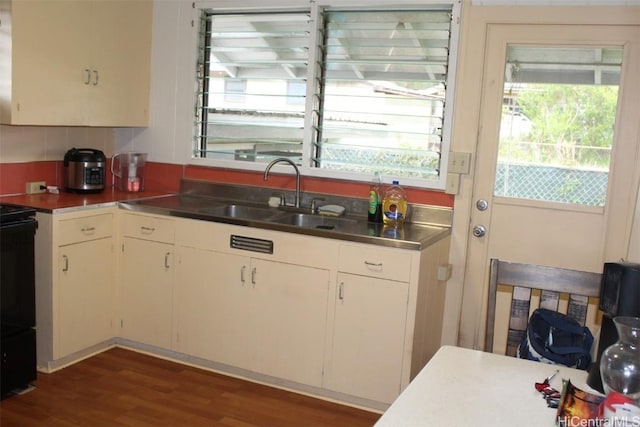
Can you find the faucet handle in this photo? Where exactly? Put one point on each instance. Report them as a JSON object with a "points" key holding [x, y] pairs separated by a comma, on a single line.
{"points": [[314, 201]]}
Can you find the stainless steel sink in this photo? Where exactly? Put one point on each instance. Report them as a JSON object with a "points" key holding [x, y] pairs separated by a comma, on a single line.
{"points": [[278, 216], [315, 221], [244, 212]]}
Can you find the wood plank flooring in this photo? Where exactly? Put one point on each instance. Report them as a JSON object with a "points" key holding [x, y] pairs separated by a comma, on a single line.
{"points": [[125, 388]]}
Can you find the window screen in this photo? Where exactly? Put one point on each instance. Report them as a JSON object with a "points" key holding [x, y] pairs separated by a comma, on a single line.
{"points": [[342, 91], [383, 91], [250, 105]]}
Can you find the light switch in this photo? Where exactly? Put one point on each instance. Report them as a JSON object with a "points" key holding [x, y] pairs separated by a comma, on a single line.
{"points": [[459, 162]]}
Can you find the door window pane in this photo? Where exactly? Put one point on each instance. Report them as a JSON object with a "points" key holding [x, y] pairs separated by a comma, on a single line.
{"points": [[558, 118]]}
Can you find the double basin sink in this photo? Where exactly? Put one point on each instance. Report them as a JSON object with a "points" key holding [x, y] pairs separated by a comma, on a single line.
{"points": [[282, 216]]}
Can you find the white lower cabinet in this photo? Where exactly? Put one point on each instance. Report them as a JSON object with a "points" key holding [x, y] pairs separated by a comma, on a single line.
{"points": [[368, 343], [350, 321], [146, 279], [75, 292], [85, 311], [147, 292], [368, 338], [259, 315]]}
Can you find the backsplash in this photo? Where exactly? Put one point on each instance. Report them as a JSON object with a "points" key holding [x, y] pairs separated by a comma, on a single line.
{"points": [[310, 184], [36, 153]]}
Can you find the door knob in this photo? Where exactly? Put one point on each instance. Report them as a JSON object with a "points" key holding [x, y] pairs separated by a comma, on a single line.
{"points": [[482, 205], [479, 230]]}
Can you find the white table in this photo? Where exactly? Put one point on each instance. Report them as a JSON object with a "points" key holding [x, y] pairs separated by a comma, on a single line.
{"points": [[462, 387]]}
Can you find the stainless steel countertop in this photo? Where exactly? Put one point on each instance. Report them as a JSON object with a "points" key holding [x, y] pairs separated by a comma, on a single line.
{"points": [[412, 235]]}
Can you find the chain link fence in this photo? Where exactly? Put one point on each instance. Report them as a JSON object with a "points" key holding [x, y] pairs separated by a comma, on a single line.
{"points": [[389, 162], [551, 183]]}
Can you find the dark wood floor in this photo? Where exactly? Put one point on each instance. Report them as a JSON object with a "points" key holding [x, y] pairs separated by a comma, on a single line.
{"points": [[125, 388]]}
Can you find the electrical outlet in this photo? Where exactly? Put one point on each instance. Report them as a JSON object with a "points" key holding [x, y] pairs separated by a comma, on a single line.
{"points": [[459, 162], [35, 187], [444, 272], [452, 186]]}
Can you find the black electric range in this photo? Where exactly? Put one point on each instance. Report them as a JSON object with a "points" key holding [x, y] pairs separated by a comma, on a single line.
{"points": [[17, 297], [14, 213]]}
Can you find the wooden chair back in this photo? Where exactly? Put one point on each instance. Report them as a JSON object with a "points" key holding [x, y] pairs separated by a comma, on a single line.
{"points": [[530, 286]]}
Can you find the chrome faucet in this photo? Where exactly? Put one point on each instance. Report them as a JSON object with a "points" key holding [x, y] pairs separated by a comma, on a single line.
{"points": [[285, 160]]}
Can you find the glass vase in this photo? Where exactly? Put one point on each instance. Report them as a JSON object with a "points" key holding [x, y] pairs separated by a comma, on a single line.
{"points": [[620, 362]]}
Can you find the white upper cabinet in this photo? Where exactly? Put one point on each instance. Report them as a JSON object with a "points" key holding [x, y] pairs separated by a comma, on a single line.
{"points": [[75, 63]]}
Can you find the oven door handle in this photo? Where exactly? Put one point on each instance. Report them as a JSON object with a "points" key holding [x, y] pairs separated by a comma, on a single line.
{"points": [[11, 225]]}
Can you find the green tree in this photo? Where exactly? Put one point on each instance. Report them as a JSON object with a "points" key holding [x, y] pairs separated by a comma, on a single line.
{"points": [[572, 124]]}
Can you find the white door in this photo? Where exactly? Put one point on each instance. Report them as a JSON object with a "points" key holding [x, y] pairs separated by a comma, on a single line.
{"points": [[147, 292], [85, 296], [212, 313], [368, 337], [290, 302], [516, 218]]}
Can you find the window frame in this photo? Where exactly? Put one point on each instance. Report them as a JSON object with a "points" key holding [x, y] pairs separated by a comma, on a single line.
{"points": [[315, 8]]}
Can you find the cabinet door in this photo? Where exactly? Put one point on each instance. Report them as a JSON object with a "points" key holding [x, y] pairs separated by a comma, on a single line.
{"points": [[147, 292], [263, 316], [290, 302], [85, 295], [50, 46], [368, 339], [80, 62], [213, 319], [120, 62]]}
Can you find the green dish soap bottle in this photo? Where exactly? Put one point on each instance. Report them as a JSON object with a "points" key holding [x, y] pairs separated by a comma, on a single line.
{"points": [[375, 199]]}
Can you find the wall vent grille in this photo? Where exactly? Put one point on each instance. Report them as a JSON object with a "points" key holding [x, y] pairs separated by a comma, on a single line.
{"points": [[251, 244]]}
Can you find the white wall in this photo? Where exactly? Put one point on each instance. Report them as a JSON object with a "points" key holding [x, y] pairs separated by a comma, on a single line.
{"points": [[23, 144], [173, 60]]}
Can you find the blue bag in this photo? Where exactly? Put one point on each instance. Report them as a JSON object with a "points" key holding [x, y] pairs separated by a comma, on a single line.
{"points": [[555, 338]]}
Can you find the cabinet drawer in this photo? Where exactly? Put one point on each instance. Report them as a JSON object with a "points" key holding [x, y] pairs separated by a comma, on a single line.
{"points": [[375, 262], [148, 228], [85, 228]]}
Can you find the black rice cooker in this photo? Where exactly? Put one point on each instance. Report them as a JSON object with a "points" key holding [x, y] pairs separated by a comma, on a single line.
{"points": [[84, 170]]}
